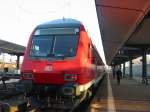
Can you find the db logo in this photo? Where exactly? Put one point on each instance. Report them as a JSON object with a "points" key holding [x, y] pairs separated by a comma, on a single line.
{"points": [[48, 68]]}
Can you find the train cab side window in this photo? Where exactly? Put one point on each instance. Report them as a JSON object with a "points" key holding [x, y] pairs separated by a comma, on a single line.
{"points": [[89, 50]]}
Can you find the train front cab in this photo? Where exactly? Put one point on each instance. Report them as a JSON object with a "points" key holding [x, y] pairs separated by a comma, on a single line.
{"points": [[54, 73]]}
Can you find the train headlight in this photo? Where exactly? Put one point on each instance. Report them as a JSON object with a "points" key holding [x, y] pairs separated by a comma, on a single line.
{"points": [[70, 77], [28, 76]]}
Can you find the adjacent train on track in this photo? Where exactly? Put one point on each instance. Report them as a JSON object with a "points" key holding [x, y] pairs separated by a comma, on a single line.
{"points": [[61, 66]]}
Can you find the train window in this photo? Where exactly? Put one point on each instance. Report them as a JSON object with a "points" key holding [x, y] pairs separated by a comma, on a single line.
{"points": [[41, 46], [89, 50], [56, 31], [54, 46], [66, 45]]}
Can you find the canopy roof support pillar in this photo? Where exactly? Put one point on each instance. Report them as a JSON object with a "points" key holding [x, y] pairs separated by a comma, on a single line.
{"points": [[124, 69], [18, 61], [130, 72], [144, 64]]}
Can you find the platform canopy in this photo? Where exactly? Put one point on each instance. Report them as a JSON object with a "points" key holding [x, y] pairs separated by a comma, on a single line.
{"points": [[11, 48], [125, 28]]}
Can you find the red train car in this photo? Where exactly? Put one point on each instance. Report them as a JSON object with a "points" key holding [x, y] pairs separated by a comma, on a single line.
{"points": [[60, 63]]}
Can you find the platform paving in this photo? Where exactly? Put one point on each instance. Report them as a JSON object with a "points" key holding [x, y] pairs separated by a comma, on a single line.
{"points": [[129, 96]]}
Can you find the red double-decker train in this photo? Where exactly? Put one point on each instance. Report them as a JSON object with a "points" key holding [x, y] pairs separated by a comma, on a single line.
{"points": [[61, 66]]}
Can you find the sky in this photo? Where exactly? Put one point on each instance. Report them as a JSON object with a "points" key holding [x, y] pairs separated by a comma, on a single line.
{"points": [[18, 18]]}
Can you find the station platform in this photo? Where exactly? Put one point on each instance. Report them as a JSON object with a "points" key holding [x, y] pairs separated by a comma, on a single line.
{"points": [[129, 96]]}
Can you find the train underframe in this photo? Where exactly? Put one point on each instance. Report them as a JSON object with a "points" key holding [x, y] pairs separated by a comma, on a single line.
{"points": [[65, 97]]}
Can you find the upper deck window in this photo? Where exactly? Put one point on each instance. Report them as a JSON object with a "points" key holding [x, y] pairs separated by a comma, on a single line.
{"points": [[55, 44]]}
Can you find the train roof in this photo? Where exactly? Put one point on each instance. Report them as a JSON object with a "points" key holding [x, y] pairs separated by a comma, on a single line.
{"points": [[65, 22]]}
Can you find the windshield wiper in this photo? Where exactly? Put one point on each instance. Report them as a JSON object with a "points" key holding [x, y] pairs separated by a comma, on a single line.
{"points": [[50, 55], [63, 56]]}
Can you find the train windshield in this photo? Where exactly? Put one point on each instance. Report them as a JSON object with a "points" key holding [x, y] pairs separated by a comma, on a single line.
{"points": [[54, 45]]}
